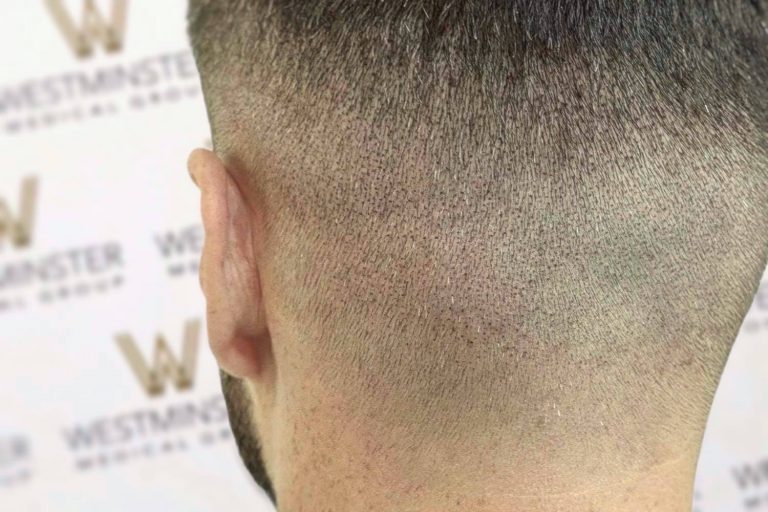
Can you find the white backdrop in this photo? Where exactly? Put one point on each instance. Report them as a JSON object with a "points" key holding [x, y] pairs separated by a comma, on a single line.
{"points": [[94, 147]]}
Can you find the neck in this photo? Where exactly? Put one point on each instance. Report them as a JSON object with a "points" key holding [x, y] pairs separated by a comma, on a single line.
{"points": [[667, 487], [369, 470]]}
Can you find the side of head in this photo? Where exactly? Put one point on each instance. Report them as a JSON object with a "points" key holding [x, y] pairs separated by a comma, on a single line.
{"points": [[478, 234]]}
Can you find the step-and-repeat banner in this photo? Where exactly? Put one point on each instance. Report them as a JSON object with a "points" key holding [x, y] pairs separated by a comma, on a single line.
{"points": [[109, 398]]}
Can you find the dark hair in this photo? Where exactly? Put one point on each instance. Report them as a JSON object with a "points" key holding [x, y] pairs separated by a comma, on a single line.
{"points": [[479, 200]]}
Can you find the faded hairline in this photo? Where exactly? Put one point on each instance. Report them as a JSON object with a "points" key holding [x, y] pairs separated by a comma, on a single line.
{"points": [[483, 235]]}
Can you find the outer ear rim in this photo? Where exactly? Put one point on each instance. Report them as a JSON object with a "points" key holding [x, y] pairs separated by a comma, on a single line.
{"points": [[236, 350]]}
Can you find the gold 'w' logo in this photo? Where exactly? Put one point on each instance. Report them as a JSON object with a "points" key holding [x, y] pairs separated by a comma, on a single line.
{"points": [[19, 229], [95, 28], [165, 365]]}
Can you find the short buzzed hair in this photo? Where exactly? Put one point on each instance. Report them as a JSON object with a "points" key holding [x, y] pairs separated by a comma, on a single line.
{"points": [[486, 211]]}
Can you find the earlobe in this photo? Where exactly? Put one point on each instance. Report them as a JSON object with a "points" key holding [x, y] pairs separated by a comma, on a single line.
{"points": [[229, 273]]}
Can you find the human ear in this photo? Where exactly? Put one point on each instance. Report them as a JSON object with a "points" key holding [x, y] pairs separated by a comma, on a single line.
{"points": [[229, 276]]}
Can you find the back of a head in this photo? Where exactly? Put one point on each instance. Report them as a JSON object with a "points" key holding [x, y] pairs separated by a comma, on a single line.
{"points": [[541, 221]]}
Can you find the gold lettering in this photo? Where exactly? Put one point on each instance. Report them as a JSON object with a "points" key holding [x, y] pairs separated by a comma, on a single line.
{"points": [[19, 229], [94, 29], [165, 365]]}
